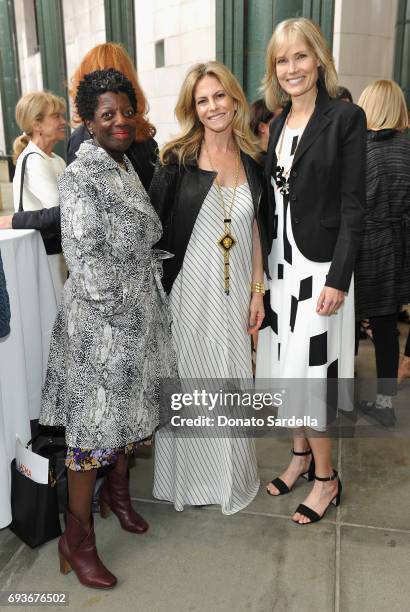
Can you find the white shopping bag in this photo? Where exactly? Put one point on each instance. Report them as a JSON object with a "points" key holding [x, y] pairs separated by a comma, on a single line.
{"points": [[30, 464]]}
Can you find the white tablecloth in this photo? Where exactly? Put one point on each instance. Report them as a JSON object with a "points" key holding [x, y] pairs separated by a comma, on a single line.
{"points": [[24, 353]]}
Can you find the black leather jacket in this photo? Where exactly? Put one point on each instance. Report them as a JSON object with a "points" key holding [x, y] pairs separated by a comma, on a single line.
{"points": [[177, 193]]}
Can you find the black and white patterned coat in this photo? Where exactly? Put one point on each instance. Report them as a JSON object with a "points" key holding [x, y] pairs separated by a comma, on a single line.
{"points": [[111, 341]]}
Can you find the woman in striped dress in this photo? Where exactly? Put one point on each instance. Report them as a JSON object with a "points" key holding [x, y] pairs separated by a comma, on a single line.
{"points": [[383, 266], [208, 192]]}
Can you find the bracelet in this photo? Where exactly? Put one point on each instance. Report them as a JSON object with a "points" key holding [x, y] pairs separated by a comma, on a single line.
{"points": [[258, 288]]}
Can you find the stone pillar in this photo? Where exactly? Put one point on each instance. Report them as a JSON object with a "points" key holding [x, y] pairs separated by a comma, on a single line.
{"points": [[363, 42]]}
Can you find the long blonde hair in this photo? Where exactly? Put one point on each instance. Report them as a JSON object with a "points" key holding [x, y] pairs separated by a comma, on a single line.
{"points": [[385, 106], [311, 34], [33, 107], [187, 144]]}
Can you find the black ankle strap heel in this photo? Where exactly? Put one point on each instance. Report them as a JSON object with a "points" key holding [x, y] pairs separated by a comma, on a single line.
{"points": [[313, 516], [282, 487], [335, 474]]}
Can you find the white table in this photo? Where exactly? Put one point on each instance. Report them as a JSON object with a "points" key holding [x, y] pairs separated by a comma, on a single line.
{"points": [[24, 353]]}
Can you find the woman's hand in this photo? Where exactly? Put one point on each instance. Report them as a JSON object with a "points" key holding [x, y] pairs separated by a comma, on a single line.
{"points": [[256, 313], [330, 300], [5, 222]]}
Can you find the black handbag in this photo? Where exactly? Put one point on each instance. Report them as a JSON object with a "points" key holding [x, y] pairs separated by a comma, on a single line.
{"points": [[34, 506], [52, 446], [51, 237]]}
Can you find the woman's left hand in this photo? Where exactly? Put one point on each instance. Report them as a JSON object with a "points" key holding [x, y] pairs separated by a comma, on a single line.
{"points": [[330, 300], [256, 313]]}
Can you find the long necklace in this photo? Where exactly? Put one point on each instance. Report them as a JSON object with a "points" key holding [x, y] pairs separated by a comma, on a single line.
{"points": [[227, 241]]}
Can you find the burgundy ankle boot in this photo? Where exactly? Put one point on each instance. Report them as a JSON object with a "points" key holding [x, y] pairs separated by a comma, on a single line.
{"points": [[115, 496], [77, 551]]}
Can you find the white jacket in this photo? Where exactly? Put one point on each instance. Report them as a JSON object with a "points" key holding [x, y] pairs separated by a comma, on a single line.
{"points": [[40, 179]]}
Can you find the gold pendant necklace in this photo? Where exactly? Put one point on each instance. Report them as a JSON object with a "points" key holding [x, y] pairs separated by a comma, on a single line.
{"points": [[227, 241]]}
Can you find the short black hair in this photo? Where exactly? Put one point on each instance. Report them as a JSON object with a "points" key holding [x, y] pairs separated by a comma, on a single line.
{"points": [[343, 92], [98, 82], [259, 114]]}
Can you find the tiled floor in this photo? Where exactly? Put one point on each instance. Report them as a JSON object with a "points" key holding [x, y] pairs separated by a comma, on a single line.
{"points": [[355, 560]]}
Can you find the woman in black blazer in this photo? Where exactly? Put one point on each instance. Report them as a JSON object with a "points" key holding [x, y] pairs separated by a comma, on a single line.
{"points": [[315, 167]]}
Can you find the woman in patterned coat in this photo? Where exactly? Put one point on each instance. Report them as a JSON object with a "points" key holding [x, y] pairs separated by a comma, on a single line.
{"points": [[111, 341]]}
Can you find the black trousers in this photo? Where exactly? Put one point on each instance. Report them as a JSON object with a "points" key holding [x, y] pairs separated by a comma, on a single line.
{"points": [[407, 347], [386, 344]]}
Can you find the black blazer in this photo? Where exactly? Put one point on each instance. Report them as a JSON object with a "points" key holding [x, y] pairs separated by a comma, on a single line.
{"points": [[142, 155], [177, 193], [327, 185]]}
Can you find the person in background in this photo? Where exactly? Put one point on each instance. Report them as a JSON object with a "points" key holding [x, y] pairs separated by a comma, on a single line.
{"points": [[4, 304], [111, 343], [261, 118], [404, 367], [41, 117], [143, 150], [361, 331], [344, 94], [382, 274], [315, 170], [208, 190]]}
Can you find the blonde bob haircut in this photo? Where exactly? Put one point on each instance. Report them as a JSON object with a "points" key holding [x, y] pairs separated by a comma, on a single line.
{"points": [[385, 106], [308, 31], [187, 144], [30, 108]]}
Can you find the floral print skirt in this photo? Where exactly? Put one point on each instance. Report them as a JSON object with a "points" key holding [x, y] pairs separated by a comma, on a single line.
{"points": [[81, 459]]}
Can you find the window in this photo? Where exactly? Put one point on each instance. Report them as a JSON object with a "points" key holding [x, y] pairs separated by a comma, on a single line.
{"points": [[402, 49], [244, 28], [159, 54]]}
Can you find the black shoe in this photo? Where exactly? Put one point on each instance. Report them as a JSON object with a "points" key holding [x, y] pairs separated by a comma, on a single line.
{"points": [[384, 416], [309, 475], [311, 514]]}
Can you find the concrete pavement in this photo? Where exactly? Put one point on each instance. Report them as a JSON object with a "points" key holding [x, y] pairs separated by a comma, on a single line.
{"points": [[354, 560]]}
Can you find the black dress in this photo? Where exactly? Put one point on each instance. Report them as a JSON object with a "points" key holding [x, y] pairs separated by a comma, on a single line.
{"points": [[382, 274]]}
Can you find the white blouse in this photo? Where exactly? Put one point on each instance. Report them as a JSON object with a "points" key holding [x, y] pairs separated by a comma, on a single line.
{"points": [[40, 179], [41, 191]]}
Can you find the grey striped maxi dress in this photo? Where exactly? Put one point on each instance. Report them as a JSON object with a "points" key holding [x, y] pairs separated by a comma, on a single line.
{"points": [[209, 333]]}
